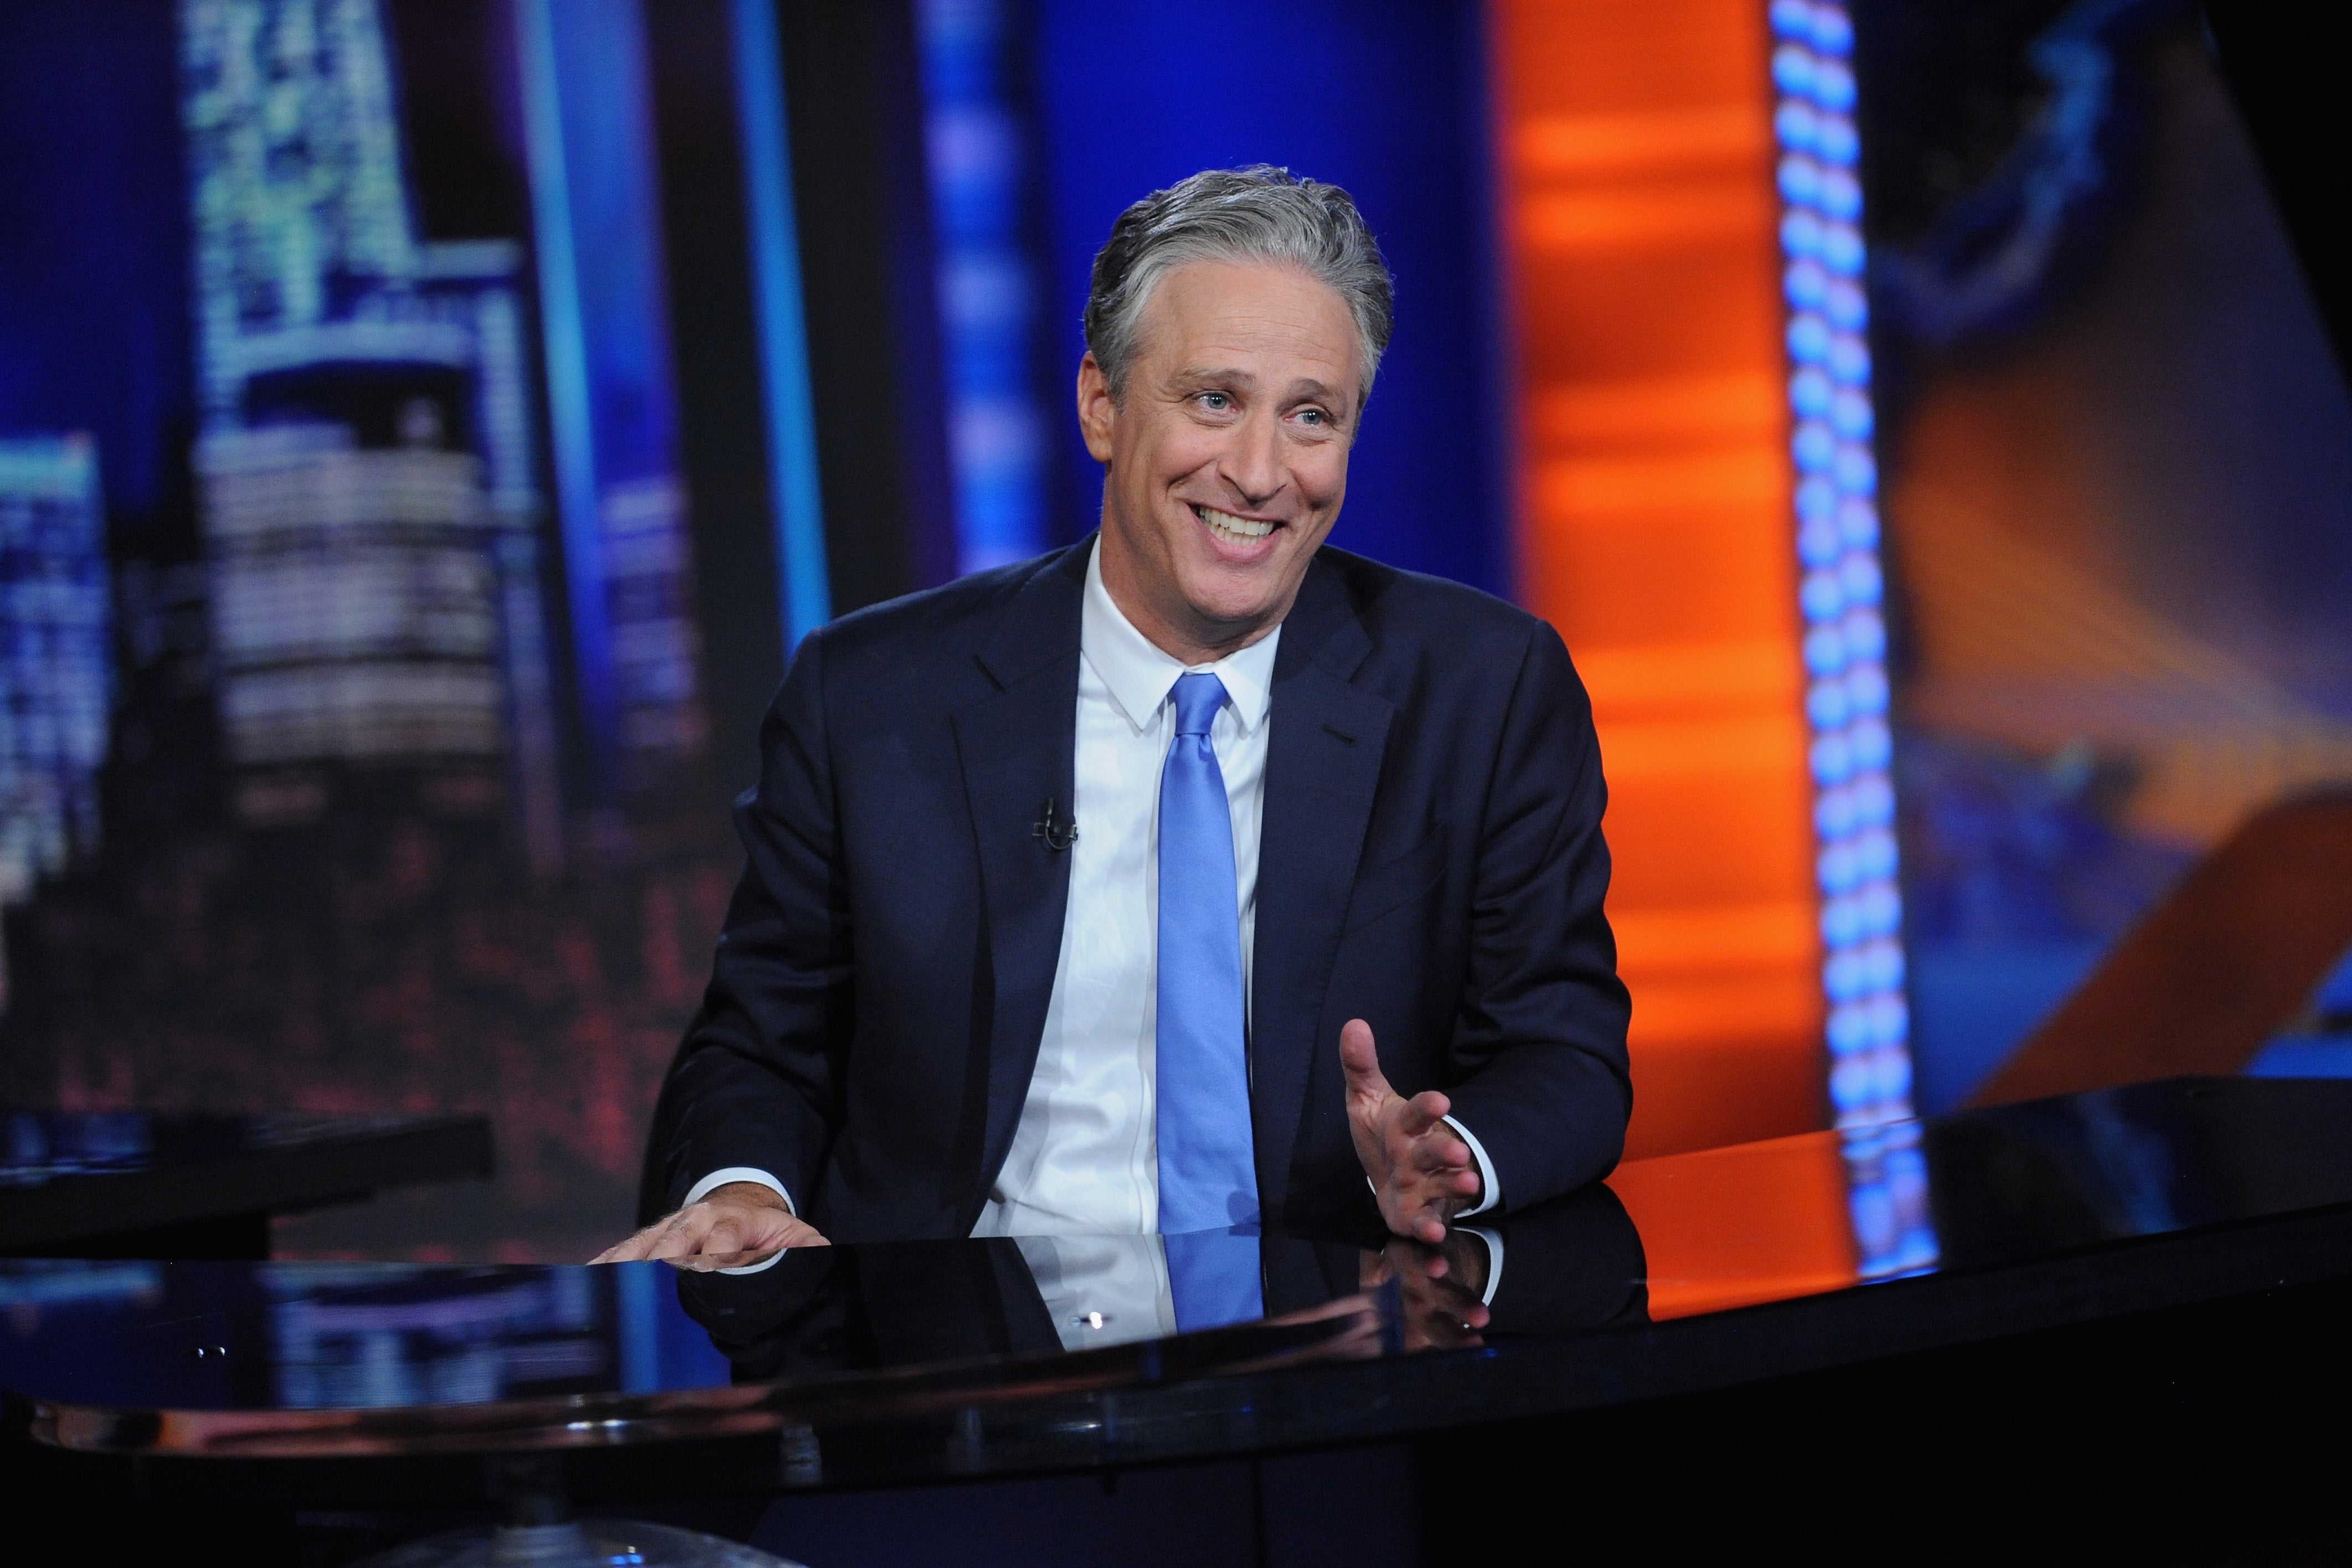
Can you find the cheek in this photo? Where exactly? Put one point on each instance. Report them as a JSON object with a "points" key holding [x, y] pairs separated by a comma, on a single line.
{"points": [[1184, 450], [1160, 453], [1322, 474]]}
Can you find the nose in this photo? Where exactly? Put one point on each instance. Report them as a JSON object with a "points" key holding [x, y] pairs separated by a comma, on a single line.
{"points": [[1253, 462]]}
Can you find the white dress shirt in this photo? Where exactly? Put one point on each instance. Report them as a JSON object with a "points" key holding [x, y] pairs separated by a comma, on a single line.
{"points": [[1085, 1157]]}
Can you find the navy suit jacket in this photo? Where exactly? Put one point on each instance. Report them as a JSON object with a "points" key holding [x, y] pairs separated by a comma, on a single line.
{"points": [[1431, 861]]}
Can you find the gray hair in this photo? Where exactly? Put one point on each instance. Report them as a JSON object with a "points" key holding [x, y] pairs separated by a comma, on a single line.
{"points": [[1257, 214]]}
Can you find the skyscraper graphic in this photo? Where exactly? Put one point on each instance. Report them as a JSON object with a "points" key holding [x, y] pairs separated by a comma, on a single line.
{"points": [[303, 238], [56, 665], [478, 282], [369, 506]]}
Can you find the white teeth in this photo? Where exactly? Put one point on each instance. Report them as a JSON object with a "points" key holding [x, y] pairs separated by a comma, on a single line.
{"points": [[1236, 529]]}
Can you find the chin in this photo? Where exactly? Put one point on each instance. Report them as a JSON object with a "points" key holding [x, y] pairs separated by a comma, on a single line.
{"points": [[1220, 603]]}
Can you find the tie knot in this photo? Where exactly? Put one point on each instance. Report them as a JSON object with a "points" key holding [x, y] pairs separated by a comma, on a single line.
{"points": [[1198, 698]]}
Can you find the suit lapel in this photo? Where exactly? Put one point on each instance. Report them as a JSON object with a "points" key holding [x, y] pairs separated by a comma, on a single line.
{"points": [[1016, 744], [1322, 768]]}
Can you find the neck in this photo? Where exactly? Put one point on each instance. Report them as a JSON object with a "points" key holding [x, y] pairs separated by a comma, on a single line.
{"points": [[1174, 628]]}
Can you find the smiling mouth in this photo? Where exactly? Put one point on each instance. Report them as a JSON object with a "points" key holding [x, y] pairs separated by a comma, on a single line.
{"points": [[1240, 530]]}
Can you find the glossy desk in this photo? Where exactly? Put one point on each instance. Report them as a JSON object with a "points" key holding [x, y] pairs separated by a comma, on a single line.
{"points": [[1833, 1310], [136, 1185]]}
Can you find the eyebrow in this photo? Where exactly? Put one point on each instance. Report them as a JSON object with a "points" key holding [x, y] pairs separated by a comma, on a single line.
{"points": [[1208, 372]]}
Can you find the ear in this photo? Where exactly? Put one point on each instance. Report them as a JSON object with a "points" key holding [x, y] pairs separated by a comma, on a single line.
{"points": [[1097, 415]]}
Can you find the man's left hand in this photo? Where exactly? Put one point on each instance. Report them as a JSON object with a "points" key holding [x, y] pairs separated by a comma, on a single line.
{"points": [[739, 1217], [1422, 1171]]}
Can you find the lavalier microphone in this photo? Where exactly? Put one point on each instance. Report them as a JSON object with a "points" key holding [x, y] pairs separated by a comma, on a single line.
{"points": [[1057, 833]]}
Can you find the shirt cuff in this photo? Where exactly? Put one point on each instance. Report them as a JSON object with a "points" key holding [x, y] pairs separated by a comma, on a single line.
{"points": [[1494, 1240], [1490, 1189], [717, 1179]]}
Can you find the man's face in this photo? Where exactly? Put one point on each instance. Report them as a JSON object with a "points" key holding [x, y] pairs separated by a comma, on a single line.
{"points": [[1228, 458]]}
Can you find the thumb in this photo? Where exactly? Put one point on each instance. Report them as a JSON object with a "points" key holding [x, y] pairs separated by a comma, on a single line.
{"points": [[1361, 1059]]}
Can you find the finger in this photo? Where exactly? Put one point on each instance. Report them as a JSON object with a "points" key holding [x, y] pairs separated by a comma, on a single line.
{"points": [[1409, 1194], [1423, 1111], [1424, 1173], [1360, 1058], [1444, 1191], [633, 1250], [682, 1236], [1436, 1154], [1418, 1218], [1435, 1182], [766, 1230], [673, 1245]]}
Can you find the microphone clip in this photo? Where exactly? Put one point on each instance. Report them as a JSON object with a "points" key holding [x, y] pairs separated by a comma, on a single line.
{"points": [[1056, 834]]}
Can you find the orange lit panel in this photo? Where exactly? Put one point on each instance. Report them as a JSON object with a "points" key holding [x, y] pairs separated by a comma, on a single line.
{"points": [[1653, 502]]}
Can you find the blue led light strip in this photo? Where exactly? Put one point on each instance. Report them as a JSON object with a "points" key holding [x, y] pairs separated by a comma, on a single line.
{"points": [[564, 331], [1837, 541], [987, 280], [804, 590]]}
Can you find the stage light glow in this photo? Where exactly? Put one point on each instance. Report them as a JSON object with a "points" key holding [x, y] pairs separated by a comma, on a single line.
{"points": [[1845, 640], [987, 279], [804, 588]]}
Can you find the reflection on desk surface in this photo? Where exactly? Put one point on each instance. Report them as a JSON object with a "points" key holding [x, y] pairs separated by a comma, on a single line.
{"points": [[42, 1146], [1664, 1238], [1825, 1211], [359, 1336]]}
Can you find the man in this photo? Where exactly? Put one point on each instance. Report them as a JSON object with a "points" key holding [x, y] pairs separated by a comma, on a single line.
{"points": [[1192, 878]]}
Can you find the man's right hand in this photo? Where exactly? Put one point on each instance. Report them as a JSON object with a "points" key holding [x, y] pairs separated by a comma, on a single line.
{"points": [[741, 1216]]}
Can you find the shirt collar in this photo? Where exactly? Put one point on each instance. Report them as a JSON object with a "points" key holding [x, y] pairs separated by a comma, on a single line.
{"points": [[1139, 675]]}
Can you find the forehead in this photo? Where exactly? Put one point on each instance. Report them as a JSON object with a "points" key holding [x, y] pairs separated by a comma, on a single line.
{"points": [[1257, 315]]}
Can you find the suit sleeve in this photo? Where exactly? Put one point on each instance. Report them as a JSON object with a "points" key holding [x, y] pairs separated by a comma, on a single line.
{"points": [[756, 1081], [1575, 1263], [1539, 1046]]}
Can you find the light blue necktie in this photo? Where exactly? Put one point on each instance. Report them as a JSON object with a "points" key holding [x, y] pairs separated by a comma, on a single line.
{"points": [[1212, 1275], [1208, 1171]]}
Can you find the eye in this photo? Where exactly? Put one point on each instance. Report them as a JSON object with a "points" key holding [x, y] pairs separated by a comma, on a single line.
{"points": [[1315, 416], [1216, 402]]}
